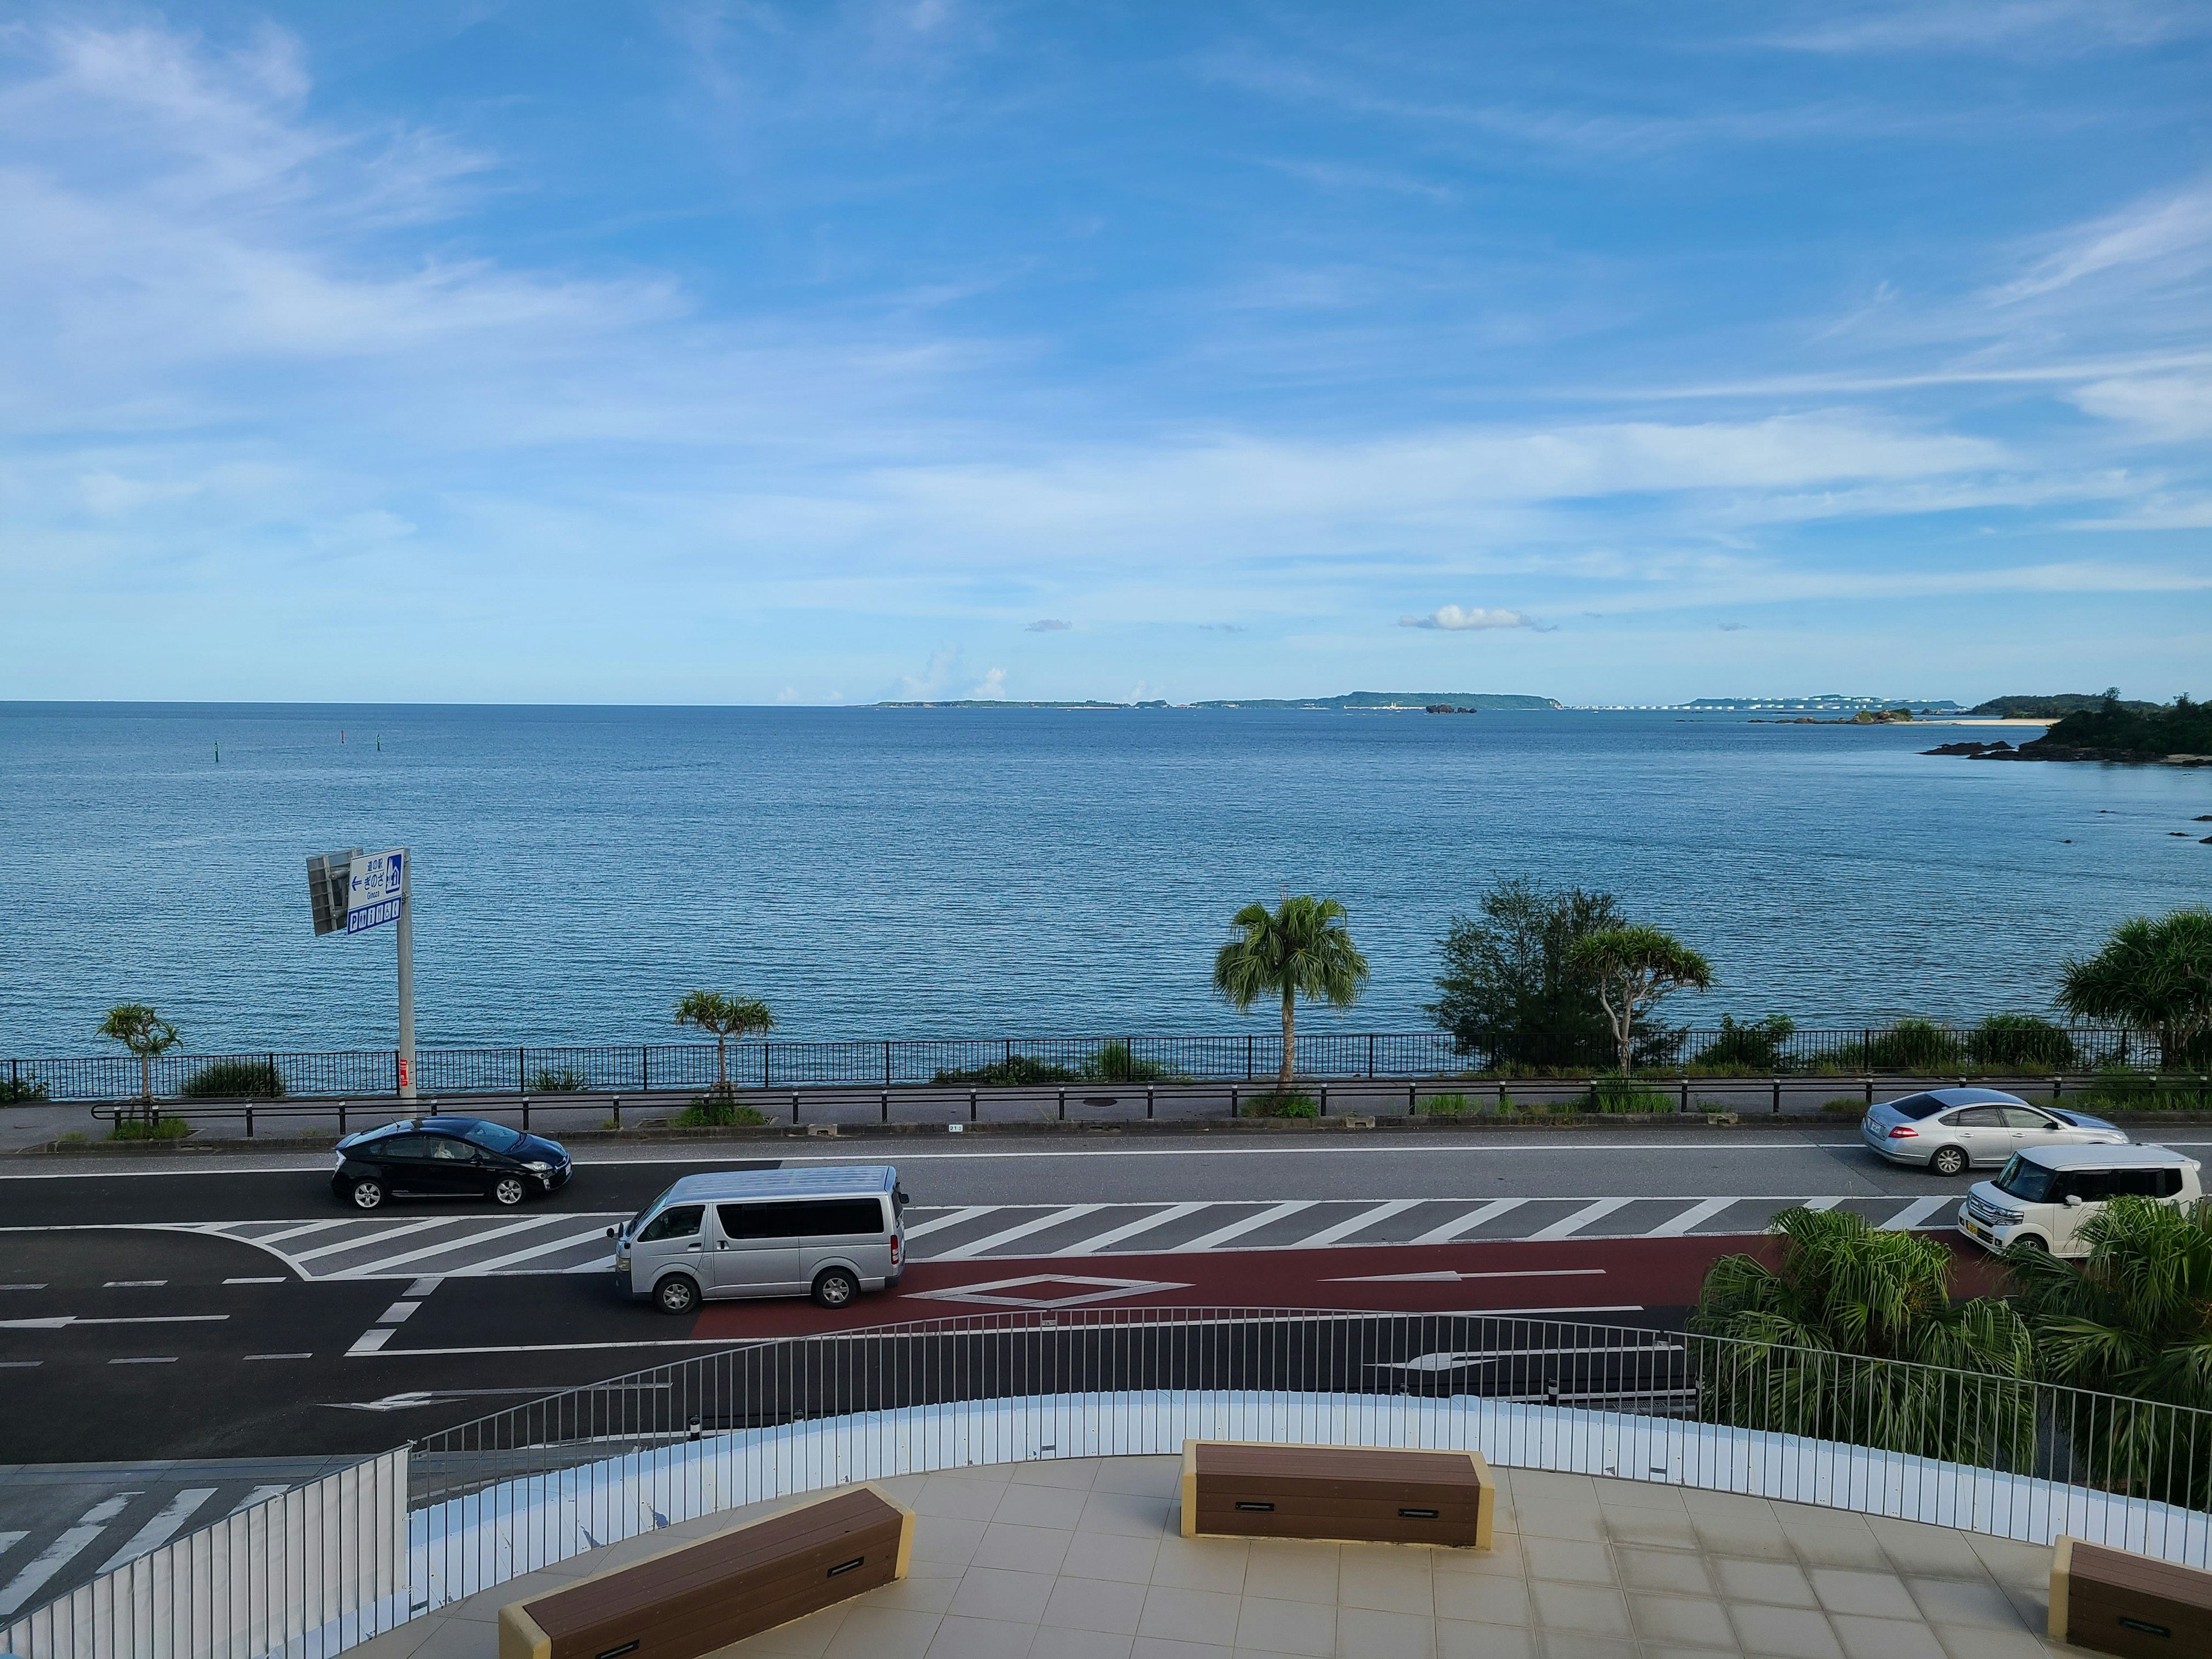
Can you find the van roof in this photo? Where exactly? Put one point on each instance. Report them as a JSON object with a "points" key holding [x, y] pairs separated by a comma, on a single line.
{"points": [[2106, 1158], [787, 1183]]}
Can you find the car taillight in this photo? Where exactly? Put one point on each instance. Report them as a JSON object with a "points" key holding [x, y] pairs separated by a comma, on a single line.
{"points": [[1904, 1132], [895, 1249]]}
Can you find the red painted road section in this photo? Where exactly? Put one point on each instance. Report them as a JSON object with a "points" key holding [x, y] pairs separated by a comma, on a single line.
{"points": [[1594, 1280]]}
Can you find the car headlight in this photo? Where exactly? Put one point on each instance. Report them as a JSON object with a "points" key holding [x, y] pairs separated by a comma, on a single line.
{"points": [[539, 1168]]}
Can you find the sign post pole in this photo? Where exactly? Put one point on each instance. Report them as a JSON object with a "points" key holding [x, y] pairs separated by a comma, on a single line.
{"points": [[406, 935], [351, 892]]}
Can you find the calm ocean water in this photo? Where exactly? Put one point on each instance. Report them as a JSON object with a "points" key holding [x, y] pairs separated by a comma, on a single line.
{"points": [[897, 872]]}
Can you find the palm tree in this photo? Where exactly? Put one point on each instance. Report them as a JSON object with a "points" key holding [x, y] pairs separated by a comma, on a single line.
{"points": [[1800, 1348], [1301, 948], [1635, 967], [145, 1034], [2154, 976], [726, 1017], [2134, 1319]]}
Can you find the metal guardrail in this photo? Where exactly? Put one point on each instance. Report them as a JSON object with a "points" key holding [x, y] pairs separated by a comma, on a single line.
{"points": [[649, 1068], [515, 1489]]}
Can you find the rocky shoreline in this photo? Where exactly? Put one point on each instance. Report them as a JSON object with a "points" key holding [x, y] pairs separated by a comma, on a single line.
{"points": [[2043, 749]]}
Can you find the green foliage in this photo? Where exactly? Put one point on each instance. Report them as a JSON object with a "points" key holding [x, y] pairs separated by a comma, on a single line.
{"points": [[2120, 1089], [234, 1079], [140, 1128], [1918, 1046], [2155, 975], [726, 1017], [1635, 969], [1802, 1339], [1452, 1105], [20, 1090], [2051, 707], [1018, 1072], [1845, 1106], [1755, 1046], [2023, 1041], [717, 1111], [1510, 991], [1614, 1094], [1113, 1063], [145, 1034], [562, 1082], [1280, 1102], [1302, 948], [2134, 1319], [2180, 727]]}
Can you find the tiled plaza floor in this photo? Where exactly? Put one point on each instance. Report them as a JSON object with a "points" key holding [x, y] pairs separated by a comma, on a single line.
{"points": [[1082, 1559]]}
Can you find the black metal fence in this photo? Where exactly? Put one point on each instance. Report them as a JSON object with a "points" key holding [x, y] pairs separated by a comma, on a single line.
{"points": [[1909, 1047]]}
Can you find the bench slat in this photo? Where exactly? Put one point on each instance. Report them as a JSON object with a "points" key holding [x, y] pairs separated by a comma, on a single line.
{"points": [[1242, 1489]]}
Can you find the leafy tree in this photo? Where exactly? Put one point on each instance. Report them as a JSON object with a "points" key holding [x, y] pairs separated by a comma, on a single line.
{"points": [[2134, 1319], [145, 1034], [2155, 975], [1302, 948], [1802, 1342], [726, 1017], [1509, 990], [1635, 967]]}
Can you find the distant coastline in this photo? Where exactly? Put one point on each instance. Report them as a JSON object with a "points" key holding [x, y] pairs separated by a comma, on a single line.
{"points": [[1405, 701]]}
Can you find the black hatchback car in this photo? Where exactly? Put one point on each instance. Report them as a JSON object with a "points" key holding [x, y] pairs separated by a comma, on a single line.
{"points": [[441, 1157]]}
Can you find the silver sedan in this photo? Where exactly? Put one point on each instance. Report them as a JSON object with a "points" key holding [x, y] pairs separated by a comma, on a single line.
{"points": [[1946, 1130]]}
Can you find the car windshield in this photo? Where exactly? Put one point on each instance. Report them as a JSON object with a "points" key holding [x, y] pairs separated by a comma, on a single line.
{"points": [[2030, 1183], [1915, 1106], [638, 1220], [494, 1137]]}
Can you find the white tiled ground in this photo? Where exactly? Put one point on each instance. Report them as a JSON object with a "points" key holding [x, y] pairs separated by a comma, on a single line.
{"points": [[1082, 1559]]}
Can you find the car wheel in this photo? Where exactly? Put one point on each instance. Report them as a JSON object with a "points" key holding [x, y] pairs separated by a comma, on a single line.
{"points": [[1949, 1160], [368, 1194], [676, 1295], [835, 1287], [508, 1191], [2031, 1241]]}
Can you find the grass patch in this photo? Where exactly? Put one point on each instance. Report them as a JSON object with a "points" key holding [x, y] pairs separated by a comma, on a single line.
{"points": [[1845, 1106], [1452, 1105], [562, 1082], [2116, 1089], [1293, 1104], [137, 1128], [20, 1090], [234, 1079], [717, 1112], [1618, 1094]]}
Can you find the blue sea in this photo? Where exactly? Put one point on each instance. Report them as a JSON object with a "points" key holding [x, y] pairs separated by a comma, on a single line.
{"points": [[913, 872]]}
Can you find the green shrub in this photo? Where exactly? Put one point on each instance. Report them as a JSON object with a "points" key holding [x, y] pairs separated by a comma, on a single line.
{"points": [[20, 1090], [137, 1128], [234, 1079], [1754, 1047], [1114, 1064], [2020, 1040], [1293, 1104], [1618, 1094], [562, 1082], [1018, 1072], [717, 1111], [2119, 1089], [1448, 1105], [1918, 1045]]}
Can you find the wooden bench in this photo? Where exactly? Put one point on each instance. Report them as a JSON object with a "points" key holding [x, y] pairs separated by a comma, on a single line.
{"points": [[705, 1594], [2120, 1602], [1250, 1489]]}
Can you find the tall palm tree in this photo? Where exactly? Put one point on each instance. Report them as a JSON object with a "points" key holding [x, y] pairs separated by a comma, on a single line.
{"points": [[1803, 1345], [726, 1017], [1634, 968], [145, 1034], [2153, 974], [2134, 1319], [1302, 948]]}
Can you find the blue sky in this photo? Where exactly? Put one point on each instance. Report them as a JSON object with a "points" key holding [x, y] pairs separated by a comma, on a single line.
{"points": [[831, 352]]}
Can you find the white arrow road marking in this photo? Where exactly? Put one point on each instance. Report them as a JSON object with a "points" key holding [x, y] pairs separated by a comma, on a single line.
{"points": [[949, 1218], [1915, 1213], [1098, 1242], [1368, 1218], [1567, 1227], [1468, 1223], [1251, 1223], [161, 1529], [59, 1322], [1446, 1276], [1696, 1215], [975, 1247], [63, 1550]]}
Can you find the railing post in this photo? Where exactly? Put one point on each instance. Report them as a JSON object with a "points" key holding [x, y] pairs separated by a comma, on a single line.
{"points": [[1684, 1109], [644, 1069], [249, 1120], [1370, 1054], [1063, 1102], [618, 1114], [1869, 1090], [887, 1106], [521, 1073], [763, 1062], [887, 1067], [1324, 1100], [1148, 1103], [1777, 1097], [1248, 1056], [525, 1114], [342, 1112], [1232, 1100], [972, 1103], [1412, 1099]]}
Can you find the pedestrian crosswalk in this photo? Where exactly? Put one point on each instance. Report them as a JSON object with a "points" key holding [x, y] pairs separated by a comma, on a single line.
{"points": [[568, 1242]]}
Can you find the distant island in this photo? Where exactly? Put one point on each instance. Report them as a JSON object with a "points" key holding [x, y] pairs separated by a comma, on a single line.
{"points": [[2177, 734], [1409, 702], [2056, 705]]}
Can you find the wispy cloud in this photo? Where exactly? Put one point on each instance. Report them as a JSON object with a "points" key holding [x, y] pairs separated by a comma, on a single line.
{"points": [[1455, 619], [1981, 25], [2174, 229], [1049, 625]]}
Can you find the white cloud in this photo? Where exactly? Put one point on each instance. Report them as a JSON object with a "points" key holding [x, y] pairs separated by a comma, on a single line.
{"points": [[1968, 25], [1454, 618], [1049, 625], [2172, 406], [2174, 230], [991, 686]]}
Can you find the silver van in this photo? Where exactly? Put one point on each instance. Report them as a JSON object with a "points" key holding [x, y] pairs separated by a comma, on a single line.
{"points": [[829, 1233]]}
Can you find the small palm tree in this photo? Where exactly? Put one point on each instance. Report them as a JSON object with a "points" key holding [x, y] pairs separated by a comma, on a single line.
{"points": [[1634, 968], [2155, 975], [726, 1017], [1302, 948], [145, 1034]]}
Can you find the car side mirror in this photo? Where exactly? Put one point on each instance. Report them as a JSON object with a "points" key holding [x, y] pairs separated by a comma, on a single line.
{"points": [[2073, 1200], [612, 1231]]}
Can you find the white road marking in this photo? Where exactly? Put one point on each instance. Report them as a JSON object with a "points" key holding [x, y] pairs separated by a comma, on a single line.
{"points": [[132, 1284], [9, 1540], [276, 1356], [272, 1278], [459, 1241], [161, 1529], [1704, 1211], [1470, 1221], [1913, 1214], [370, 1341], [422, 1287], [566, 1241], [952, 1218], [363, 1241], [301, 1228], [1568, 1226], [1819, 1203], [63, 1550], [147, 1359], [397, 1313], [20, 1364], [1251, 1223], [1366, 1218], [21, 1287], [259, 1495], [1097, 1241], [975, 1247], [1445, 1275], [62, 1322]]}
